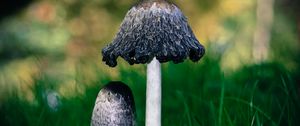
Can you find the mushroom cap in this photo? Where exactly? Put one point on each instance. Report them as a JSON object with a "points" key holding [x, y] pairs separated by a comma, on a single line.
{"points": [[114, 106], [153, 29]]}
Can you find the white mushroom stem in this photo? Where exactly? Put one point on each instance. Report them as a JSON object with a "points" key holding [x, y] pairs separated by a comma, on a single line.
{"points": [[153, 96]]}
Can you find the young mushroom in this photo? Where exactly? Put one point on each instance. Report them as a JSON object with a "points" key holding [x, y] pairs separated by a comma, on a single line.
{"points": [[153, 32], [114, 106]]}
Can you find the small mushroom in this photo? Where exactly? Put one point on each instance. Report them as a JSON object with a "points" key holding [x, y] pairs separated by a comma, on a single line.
{"points": [[153, 32], [114, 106]]}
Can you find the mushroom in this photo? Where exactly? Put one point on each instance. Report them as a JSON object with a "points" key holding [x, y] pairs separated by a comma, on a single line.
{"points": [[153, 32], [114, 106]]}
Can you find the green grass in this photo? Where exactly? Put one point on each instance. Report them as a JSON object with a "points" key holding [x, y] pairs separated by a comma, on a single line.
{"points": [[194, 94]]}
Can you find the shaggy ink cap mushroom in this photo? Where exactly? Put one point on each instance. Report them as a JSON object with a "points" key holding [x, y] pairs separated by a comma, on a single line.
{"points": [[114, 106], [154, 28]]}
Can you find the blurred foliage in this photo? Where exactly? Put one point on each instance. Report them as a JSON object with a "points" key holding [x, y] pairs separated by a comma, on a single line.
{"points": [[51, 69]]}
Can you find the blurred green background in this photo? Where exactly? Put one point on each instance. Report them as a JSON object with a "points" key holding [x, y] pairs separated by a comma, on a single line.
{"points": [[51, 68]]}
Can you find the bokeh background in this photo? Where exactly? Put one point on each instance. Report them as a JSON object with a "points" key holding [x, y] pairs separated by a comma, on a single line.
{"points": [[51, 68]]}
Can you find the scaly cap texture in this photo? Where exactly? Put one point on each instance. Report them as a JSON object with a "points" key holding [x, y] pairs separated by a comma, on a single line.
{"points": [[114, 106], [153, 29]]}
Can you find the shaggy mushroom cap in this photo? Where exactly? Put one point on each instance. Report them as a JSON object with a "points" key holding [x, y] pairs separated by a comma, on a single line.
{"points": [[153, 29], [114, 106]]}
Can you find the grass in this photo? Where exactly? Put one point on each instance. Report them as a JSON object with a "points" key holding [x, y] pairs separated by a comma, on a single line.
{"points": [[193, 95]]}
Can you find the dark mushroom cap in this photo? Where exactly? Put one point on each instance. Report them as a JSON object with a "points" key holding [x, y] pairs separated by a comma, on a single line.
{"points": [[114, 106], [153, 29]]}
